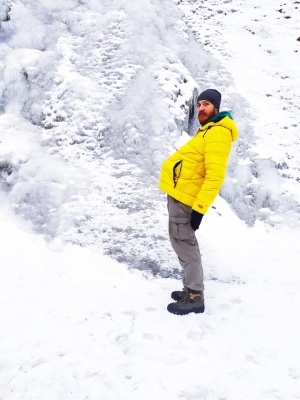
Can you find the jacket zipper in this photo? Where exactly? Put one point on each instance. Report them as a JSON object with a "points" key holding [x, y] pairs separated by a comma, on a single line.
{"points": [[206, 130]]}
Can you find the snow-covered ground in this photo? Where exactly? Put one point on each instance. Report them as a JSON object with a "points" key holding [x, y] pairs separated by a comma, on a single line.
{"points": [[94, 95], [77, 325]]}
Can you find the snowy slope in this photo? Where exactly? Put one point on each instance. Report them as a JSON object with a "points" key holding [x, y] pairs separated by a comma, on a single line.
{"points": [[76, 325], [87, 85], [93, 96], [104, 108], [83, 93]]}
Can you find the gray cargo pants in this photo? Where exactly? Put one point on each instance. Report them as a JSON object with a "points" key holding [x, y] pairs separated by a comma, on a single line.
{"points": [[185, 244]]}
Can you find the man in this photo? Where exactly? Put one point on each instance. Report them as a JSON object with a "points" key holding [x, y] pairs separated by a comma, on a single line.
{"points": [[192, 177]]}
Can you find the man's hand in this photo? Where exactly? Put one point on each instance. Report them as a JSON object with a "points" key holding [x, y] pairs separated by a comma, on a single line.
{"points": [[196, 219]]}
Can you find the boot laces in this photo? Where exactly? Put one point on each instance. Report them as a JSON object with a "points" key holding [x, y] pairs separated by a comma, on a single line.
{"points": [[188, 299]]}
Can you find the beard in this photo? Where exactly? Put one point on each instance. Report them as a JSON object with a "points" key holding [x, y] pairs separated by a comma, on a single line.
{"points": [[205, 116]]}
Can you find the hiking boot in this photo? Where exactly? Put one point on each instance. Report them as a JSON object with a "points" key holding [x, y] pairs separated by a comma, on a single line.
{"points": [[179, 294], [192, 302]]}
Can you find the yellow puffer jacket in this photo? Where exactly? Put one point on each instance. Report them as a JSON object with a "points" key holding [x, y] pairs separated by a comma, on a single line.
{"points": [[195, 173]]}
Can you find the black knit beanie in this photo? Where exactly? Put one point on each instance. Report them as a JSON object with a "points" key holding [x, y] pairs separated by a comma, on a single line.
{"points": [[211, 95]]}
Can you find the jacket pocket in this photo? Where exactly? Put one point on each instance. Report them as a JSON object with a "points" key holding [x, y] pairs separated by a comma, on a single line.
{"points": [[176, 172]]}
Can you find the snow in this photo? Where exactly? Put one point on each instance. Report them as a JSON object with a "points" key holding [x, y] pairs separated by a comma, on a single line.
{"points": [[76, 324], [93, 96]]}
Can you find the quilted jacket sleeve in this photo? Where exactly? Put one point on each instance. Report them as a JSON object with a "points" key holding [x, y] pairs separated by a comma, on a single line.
{"points": [[217, 147]]}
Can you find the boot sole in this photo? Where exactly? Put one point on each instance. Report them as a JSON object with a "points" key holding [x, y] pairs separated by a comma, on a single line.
{"points": [[198, 310]]}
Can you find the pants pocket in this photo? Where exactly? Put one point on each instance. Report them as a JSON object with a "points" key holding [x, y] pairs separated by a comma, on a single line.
{"points": [[186, 232], [181, 229]]}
